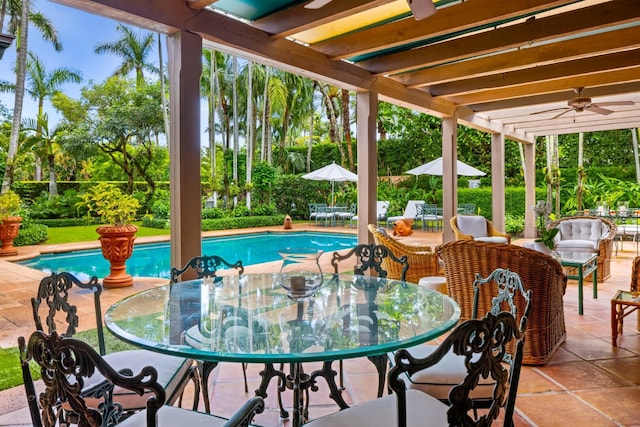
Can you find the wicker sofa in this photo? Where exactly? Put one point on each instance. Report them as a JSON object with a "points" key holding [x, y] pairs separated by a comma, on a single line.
{"points": [[423, 261], [546, 331], [587, 234]]}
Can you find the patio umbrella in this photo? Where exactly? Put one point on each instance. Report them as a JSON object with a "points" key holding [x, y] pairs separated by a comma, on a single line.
{"points": [[434, 167], [333, 173]]}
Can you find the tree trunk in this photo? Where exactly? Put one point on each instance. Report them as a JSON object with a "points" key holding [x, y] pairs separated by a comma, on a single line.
{"points": [[634, 139], [250, 131], [346, 127], [165, 107], [53, 184], [21, 70], [236, 124]]}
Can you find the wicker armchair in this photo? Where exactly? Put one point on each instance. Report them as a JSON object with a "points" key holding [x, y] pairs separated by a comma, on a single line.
{"points": [[490, 234], [541, 273], [603, 243], [423, 261]]}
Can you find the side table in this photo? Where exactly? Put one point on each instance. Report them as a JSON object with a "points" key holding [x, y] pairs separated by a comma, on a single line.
{"points": [[622, 304]]}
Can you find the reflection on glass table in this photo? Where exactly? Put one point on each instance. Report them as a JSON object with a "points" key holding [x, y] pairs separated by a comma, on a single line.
{"points": [[250, 318]]}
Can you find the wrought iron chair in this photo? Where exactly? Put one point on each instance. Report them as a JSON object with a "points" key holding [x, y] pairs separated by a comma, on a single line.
{"points": [[207, 266], [482, 343], [67, 366], [437, 380], [371, 257], [173, 372]]}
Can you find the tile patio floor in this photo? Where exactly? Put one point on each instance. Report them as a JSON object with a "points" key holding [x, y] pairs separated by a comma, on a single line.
{"points": [[587, 382]]}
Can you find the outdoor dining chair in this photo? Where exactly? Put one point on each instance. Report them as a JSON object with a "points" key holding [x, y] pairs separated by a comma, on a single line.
{"points": [[68, 367], [437, 380], [370, 257], [173, 373], [481, 342], [206, 266]]}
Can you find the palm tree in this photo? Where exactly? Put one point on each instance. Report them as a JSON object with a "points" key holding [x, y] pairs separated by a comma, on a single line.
{"points": [[20, 15], [43, 144], [134, 49], [42, 85]]}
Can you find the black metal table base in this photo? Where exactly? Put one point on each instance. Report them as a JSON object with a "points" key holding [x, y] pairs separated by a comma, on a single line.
{"points": [[300, 383]]}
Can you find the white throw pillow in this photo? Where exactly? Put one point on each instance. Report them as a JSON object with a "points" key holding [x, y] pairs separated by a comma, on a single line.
{"points": [[474, 225]]}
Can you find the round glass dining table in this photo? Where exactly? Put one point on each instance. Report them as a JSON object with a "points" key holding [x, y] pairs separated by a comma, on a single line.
{"points": [[251, 318]]}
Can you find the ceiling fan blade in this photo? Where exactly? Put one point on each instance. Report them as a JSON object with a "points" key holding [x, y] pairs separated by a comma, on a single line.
{"points": [[557, 116], [598, 110], [317, 4], [612, 103], [421, 8], [551, 110]]}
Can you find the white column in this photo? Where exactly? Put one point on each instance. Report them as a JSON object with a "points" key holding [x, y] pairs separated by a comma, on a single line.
{"points": [[530, 190], [366, 131], [449, 174], [497, 180], [185, 59]]}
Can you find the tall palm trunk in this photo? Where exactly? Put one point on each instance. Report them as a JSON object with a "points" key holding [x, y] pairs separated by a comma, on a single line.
{"points": [[250, 130], [265, 152], [213, 87], [346, 127], [165, 107], [235, 127], [19, 97]]}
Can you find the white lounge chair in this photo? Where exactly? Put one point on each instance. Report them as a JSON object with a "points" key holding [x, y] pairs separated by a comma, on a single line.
{"points": [[410, 212], [381, 208]]}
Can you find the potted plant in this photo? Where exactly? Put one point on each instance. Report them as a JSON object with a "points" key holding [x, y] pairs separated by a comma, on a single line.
{"points": [[10, 205], [544, 242], [117, 210]]}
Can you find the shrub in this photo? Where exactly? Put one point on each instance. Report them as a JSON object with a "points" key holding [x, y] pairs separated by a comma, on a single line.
{"points": [[265, 210], [112, 205], [151, 222], [213, 213], [161, 209], [242, 222], [31, 234], [62, 222], [240, 210], [514, 224]]}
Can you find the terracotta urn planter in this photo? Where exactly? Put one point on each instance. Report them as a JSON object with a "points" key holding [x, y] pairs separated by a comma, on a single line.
{"points": [[8, 232], [117, 247]]}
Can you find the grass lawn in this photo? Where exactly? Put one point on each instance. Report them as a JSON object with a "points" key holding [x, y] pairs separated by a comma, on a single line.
{"points": [[87, 233]]}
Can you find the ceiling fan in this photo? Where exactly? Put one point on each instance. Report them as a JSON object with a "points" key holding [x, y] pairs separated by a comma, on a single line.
{"points": [[420, 8], [582, 103]]}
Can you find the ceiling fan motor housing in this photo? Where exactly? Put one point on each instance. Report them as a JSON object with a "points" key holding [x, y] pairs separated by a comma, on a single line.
{"points": [[579, 103]]}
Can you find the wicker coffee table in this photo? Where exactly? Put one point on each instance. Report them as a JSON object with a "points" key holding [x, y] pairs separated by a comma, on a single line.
{"points": [[622, 304]]}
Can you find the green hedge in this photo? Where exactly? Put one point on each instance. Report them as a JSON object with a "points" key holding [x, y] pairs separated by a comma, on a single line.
{"points": [[31, 234], [241, 222], [63, 222]]}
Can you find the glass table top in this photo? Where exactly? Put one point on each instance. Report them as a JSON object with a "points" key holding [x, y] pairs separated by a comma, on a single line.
{"points": [[251, 318], [577, 257]]}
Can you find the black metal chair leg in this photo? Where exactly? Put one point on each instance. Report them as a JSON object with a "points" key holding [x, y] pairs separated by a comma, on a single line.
{"points": [[244, 374], [205, 370]]}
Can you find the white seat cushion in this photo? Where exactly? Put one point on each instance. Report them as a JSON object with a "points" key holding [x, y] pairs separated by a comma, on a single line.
{"points": [[422, 410], [170, 416], [492, 239], [437, 380], [576, 246], [171, 371], [473, 225]]}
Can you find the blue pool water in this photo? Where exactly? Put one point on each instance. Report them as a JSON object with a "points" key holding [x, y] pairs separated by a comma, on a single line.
{"points": [[153, 259]]}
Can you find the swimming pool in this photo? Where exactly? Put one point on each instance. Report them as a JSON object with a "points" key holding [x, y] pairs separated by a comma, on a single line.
{"points": [[153, 259]]}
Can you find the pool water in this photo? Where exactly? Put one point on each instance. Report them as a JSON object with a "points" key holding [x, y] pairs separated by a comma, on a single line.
{"points": [[153, 259]]}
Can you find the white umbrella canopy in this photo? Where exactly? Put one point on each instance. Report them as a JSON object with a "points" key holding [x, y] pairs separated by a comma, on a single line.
{"points": [[333, 173], [434, 167]]}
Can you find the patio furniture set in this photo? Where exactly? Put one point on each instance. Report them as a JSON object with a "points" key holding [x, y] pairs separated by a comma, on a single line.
{"points": [[198, 323]]}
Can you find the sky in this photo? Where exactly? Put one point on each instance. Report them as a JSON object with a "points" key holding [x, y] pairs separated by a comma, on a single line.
{"points": [[80, 33]]}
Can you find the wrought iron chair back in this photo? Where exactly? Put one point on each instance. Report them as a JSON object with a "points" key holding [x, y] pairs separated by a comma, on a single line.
{"points": [[482, 343], [53, 296], [369, 256], [67, 363], [205, 266]]}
